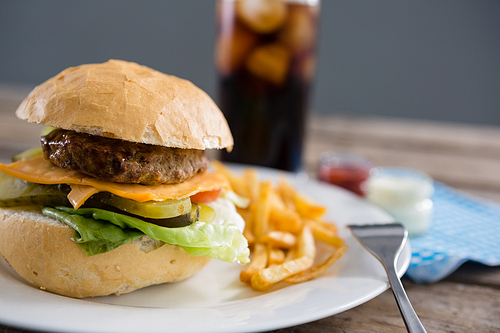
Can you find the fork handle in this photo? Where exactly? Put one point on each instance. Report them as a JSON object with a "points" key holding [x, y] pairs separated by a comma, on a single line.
{"points": [[412, 322]]}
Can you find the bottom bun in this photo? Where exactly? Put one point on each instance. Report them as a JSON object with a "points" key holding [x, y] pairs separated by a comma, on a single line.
{"points": [[41, 251]]}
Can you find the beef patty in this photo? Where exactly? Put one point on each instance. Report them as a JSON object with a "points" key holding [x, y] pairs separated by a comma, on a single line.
{"points": [[122, 161]]}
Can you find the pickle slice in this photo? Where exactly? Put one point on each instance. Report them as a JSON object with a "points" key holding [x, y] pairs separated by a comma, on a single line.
{"points": [[17, 192], [178, 221], [172, 222], [36, 200], [150, 209]]}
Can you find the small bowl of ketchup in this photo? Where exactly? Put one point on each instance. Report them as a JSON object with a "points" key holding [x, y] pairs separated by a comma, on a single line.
{"points": [[345, 169]]}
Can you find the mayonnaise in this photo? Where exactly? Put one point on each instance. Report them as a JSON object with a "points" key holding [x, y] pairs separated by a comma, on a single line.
{"points": [[225, 213], [404, 194]]}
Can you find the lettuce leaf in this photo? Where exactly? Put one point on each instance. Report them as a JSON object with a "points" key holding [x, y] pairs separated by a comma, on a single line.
{"points": [[94, 236], [96, 227]]}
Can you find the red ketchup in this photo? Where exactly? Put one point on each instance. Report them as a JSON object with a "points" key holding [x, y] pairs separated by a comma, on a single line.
{"points": [[345, 169]]}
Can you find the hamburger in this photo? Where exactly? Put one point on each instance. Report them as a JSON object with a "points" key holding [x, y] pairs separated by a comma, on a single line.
{"points": [[118, 196]]}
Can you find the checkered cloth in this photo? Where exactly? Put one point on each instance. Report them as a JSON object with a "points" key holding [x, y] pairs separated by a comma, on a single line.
{"points": [[463, 228]]}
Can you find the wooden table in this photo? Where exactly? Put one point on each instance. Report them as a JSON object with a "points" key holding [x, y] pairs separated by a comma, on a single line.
{"points": [[462, 156]]}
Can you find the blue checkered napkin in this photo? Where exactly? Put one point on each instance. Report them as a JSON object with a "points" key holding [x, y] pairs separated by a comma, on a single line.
{"points": [[463, 228]]}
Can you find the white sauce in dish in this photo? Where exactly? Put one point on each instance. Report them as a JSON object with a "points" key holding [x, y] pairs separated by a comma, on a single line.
{"points": [[405, 194]]}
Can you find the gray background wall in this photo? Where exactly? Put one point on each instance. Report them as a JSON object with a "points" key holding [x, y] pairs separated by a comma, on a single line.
{"points": [[431, 59]]}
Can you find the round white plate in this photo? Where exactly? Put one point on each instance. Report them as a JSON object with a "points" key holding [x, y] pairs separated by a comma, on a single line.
{"points": [[215, 300]]}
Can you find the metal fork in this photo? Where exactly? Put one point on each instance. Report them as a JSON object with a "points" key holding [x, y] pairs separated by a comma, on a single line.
{"points": [[385, 242]]}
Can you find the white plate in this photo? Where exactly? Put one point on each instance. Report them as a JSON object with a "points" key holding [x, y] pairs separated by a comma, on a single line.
{"points": [[214, 300]]}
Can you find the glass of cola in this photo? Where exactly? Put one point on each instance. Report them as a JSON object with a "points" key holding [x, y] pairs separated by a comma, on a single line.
{"points": [[265, 58]]}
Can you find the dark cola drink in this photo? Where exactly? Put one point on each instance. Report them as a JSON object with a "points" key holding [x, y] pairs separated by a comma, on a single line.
{"points": [[265, 58]]}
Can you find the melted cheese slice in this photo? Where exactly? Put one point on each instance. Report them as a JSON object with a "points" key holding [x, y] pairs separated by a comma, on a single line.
{"points": [[40, 171], [80, 193]]}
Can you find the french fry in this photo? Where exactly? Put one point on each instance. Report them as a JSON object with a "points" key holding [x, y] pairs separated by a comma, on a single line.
{"points": [[275, 256], [279, 239], [261, 217], [329, 225], [291, 254], [244, 213], [303, 205], [324, 233], [252, 183], [248, 214], [306, 251], [237, 183], [286, 193], [305, 243], [259, 262], [307, 208], [318, 269], [249, 236], [264, 279], [325, 225], [284, 219], [276, 199]]}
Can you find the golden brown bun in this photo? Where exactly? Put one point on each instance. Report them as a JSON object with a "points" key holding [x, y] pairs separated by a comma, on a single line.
{"points": [[40, 250], [124, 100]]}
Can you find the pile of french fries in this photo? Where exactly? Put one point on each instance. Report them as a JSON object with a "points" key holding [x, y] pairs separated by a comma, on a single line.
{"points": [[282, 227]]}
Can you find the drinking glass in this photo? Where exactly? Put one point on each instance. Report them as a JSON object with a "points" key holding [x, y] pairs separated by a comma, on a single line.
{"points": [[265, 60]]}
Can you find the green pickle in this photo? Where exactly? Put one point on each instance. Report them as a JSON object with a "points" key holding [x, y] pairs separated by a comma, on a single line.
{"points": [[150, 209], [181, 220], [17, 192]]}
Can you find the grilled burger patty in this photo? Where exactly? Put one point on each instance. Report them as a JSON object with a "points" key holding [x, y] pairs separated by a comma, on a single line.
{"points": [[122, 161]]}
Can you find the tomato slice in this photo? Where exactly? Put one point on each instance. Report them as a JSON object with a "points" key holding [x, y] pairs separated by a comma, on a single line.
{"points": [[204, 197]]}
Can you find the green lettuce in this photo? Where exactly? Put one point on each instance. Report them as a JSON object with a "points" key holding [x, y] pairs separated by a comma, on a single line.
{"points": [[98, 231]]}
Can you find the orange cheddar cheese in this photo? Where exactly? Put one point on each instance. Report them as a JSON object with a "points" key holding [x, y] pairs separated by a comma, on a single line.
{"points": [[40, 171], [80, 193]]}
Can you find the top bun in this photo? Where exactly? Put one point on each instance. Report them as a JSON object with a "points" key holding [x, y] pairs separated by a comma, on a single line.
{"points": [[124, 100]]}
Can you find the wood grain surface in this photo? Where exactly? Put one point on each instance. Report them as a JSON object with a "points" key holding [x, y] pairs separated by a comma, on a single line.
{"points": [[465, 157]]}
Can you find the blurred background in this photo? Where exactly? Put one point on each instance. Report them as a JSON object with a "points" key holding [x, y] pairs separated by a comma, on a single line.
{"points": [[427, 59]]}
